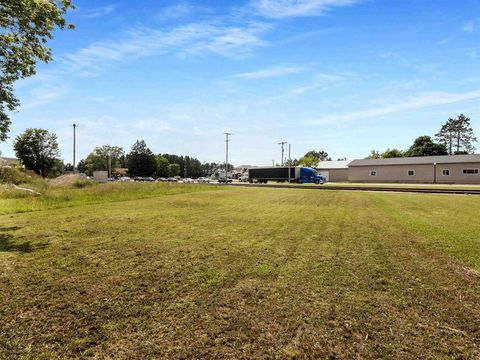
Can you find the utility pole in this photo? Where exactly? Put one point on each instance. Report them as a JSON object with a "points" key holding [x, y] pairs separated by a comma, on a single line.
{"points": [[273, 163], [227, 140], [74, 145], [283, 150], [109, 165], [289, 163]]}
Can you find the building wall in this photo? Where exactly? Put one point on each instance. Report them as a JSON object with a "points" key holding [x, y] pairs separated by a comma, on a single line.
{"points": [[456, 174], [423, 174], [392, 173], [335, 175]]}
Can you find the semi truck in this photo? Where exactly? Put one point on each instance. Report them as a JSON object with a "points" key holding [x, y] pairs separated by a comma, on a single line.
{"points": [[298, 174]]}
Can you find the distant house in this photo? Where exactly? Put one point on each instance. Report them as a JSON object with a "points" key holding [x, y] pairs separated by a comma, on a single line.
{"points": [[449, 169], [334, 171]]}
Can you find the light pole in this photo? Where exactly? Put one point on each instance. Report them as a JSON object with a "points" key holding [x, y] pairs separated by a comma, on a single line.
{"points": [[273, 163], [289, 163], [74, 145], [282, 143], [227, 140]]}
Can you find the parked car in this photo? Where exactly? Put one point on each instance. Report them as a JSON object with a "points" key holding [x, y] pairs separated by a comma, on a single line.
{"points": [[161, 179], [224, 180], [188, 181], [243, 178], [203, 180], [125, 179], [172, 179]]}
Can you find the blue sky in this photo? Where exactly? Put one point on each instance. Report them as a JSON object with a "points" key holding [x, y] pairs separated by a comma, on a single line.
{"points": [[345, 76]]}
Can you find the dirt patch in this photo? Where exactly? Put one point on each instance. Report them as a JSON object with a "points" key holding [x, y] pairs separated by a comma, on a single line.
{"points": [[67, 180]]}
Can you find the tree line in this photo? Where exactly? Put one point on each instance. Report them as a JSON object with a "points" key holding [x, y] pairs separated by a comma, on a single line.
{"points": [[38, 151], [455, 137]]}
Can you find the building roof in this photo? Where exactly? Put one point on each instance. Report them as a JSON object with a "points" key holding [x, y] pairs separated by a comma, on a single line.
{"points": [[340, 164], [421, 160]]}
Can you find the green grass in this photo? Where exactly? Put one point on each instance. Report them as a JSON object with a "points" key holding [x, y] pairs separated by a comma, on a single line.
{"points": [[191, 272], [12, 201], [386, 185]]}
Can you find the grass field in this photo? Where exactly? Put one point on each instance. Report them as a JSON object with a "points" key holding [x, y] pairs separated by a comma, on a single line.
{"points": [[206, 272]]}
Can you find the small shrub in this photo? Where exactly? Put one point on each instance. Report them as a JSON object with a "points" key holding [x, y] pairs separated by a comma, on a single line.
{"points": [[13, 175], [80, 184]]}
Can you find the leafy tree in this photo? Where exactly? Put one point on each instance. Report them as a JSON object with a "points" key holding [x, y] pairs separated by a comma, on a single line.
{"points": [[162, 165], [292, 162], [320, 155], [98, 159], [374, 154], [25, 28], [393, 153], [141, 161], [457, 135], [173, 170], [81, 166], [309, 161], [425, 146], [37, 149], [68, 167]]}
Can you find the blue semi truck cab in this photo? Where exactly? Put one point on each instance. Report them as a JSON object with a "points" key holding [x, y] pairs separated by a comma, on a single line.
{"points": [[309, 175]]}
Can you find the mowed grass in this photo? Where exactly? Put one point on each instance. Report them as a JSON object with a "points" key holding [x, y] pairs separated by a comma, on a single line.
{"points": [[54, 197], [244, 273]]}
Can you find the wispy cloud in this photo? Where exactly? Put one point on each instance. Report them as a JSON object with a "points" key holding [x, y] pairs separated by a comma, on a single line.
{"points": [[185, 40], [278, 71], [278, 9], [418, 102], [177, 11], [469, 26], [323, 79], [43, 95], [99, 12]]}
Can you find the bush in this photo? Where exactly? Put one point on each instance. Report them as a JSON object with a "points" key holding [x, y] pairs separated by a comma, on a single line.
{"points": [[11, 174], [80, 184]]}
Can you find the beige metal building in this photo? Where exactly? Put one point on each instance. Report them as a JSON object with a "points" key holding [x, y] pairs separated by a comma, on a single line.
{"points": [[334, 171], [453, 169]]}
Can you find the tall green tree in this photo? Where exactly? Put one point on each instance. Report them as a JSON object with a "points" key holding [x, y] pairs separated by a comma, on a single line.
{"points": [[99, 159], [393, 153], [162, 165], [320, 155], [141, 161], [457, 135], [374, 154], [173, 169], [25, 28], [38, 150], [425, 146], [309, 160]]}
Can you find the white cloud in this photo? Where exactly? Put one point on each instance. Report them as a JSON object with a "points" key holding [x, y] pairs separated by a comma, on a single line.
{"points": [[323, 79], [469, 26], [418, 102], [42, 95], [177, 11], [99, 12], [295, 8], [278, 71], [185, 40]]}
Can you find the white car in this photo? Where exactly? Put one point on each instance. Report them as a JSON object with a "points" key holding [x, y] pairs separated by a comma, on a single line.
{"points": [[188, 181], [243, 178], [203, 180]]}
